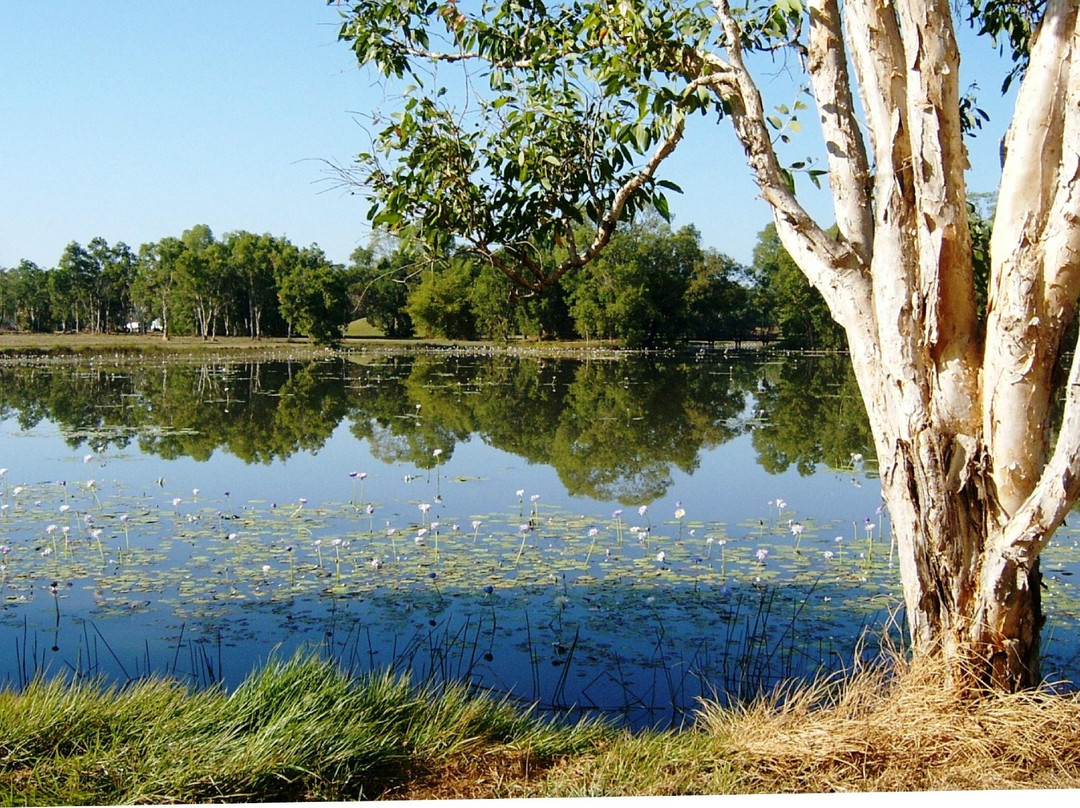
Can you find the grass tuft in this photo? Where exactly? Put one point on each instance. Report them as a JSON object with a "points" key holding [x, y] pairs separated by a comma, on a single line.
{"points": [[297, 730], [902, 726]]}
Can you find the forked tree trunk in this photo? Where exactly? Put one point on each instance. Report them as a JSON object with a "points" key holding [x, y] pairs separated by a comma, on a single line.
{"points": [[960, 415]]}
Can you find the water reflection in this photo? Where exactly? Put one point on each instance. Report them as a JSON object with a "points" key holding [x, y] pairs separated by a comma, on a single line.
{"points": [[613, 430], [126, 553]]}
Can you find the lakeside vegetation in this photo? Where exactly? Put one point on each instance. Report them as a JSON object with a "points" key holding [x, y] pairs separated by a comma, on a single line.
{"points": [[656, 286], [301, 730]]}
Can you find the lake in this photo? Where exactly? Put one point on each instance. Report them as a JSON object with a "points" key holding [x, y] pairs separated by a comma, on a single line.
{"points": [[622, 535]]}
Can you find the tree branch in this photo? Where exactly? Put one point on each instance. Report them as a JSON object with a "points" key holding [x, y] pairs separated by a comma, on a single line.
{"points": [[1030, 528], [831, 266], [1031, 264], [849, 170]]}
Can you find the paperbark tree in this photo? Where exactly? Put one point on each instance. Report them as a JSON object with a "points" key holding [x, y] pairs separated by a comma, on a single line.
{"points": [[584, 102]]}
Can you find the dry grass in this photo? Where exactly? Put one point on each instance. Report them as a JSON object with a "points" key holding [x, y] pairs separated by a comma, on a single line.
{"points": [[910, 728]]}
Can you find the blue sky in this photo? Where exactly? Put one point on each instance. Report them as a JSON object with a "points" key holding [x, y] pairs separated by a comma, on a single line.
{"points": [[133, 120]]}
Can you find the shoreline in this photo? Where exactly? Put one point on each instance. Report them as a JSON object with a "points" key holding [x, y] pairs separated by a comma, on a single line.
{"points": [[35, 347]]}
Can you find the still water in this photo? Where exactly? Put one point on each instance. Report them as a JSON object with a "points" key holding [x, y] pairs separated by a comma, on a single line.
{"points": [[625, 536]]}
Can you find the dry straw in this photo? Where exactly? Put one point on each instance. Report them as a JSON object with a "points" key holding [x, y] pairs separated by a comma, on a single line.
{"points": [[902, 727]]}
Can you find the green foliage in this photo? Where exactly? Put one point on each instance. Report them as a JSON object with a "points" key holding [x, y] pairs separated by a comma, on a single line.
{"points": [[380, 286], [313, 294], [439, 306], [636, 291], [980, 222], [1011, 24], [574, 96], [721, 301], [792, 304], [26, 298]]}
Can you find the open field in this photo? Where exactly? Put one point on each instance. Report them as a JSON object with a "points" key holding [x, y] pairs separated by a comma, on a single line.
{"points": [[15, 342]]}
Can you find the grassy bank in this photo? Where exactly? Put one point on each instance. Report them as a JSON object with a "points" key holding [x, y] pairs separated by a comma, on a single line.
{"points": [[303, 731], [16, 345]]}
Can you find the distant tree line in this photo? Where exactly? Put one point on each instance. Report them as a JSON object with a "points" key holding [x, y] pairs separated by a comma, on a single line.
{"points": [[242, 284], [653, 286]]}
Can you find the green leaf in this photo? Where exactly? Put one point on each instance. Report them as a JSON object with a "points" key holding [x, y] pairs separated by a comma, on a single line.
{"points": [[661, 204]]}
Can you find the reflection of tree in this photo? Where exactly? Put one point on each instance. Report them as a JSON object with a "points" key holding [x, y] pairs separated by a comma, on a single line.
{"points": [[256, 411], [812, 414], [382, 412], [611, 429], [83, 401], [626, 424]]}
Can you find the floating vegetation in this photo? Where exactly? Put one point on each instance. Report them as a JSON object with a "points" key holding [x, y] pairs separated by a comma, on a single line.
{"points": [[445, 567]]}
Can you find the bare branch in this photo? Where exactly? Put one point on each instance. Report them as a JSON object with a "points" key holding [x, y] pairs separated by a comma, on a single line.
{"points": [[1033, 262], [1030, 528], [1033, 142], [849, 170], [816, 253]]}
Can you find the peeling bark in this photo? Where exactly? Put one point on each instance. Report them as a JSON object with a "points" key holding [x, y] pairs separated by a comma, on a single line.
{"points": [[961, 423]]}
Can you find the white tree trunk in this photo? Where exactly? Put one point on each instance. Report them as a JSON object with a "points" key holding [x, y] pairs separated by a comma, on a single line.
{"points": [[960, 417]]}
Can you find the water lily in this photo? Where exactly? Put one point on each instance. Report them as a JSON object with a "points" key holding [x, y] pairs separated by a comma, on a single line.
{"points": [[762, 554], [797, 531]]}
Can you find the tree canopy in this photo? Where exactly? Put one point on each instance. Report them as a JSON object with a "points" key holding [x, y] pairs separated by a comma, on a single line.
{"points": [[580, 104]]}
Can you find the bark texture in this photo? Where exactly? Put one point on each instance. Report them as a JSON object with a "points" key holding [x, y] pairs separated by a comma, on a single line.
{"points": [[960, 408]]}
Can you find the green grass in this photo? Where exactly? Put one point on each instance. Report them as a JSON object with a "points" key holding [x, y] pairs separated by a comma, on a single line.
{"points": [[299, 730], [302, 730]]}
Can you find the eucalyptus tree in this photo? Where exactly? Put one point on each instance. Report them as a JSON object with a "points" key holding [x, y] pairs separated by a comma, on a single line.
{"points": [[583, 103], [27, 296], [380, 284], [722, 302], [251, 265], [156, 286], [635, 291], [109, 286], [440, 303], [313, 293], [202, 277], [73, 287], [790, 303], [6, 314]]}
